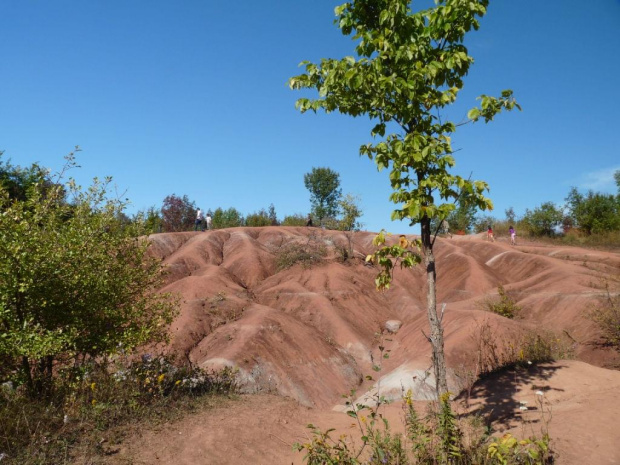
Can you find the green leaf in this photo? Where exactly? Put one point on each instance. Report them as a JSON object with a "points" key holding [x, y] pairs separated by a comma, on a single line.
{"points": [[473, 114]]}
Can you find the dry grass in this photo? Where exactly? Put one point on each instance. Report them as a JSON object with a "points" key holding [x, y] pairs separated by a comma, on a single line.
{"points": [[92, 409]]}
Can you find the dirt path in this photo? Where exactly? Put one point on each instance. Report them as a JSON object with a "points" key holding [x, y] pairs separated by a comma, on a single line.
{"points": [[580, 404]]}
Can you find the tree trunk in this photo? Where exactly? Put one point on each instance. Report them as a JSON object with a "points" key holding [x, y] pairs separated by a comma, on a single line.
{"points": [[436, 337]]}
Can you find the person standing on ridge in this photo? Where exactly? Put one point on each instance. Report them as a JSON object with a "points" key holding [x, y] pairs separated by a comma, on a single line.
{"points": [[208, 221], [198, 222], [513, 236]]}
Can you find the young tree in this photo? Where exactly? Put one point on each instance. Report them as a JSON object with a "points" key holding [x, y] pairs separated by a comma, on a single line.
{"points": [[152, 220], [75, 282], [324, 187], [272, 215], [511, 217], [350, 213], [409, 67], [463, 218], [178, 213]]}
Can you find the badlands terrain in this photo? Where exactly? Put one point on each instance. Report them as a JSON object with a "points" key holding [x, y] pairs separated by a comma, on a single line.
{"points": [[302, 334]]}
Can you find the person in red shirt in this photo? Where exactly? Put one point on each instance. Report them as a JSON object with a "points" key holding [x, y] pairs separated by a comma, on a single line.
{"points": [[490, 236]]}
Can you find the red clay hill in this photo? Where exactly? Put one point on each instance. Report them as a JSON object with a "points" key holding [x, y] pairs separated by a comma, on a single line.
{"points": [[295, 310]]}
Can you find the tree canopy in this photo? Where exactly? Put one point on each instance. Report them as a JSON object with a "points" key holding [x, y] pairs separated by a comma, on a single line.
{"points": [[324, 187], [178, 213]]}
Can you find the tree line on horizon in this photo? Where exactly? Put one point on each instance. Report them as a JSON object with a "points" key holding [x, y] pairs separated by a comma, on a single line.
{"points": [[583, 214], [329, 208]]}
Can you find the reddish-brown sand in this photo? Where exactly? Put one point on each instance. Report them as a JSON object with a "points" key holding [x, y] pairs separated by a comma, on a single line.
{"points": [[303, 336]]}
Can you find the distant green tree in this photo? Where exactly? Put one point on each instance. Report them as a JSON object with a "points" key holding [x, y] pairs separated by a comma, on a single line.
{"points": [[462, 219], [178, 213], [75, 282], [256, 219], [295, 220], [543, 220], [272, 215], [350, 212], [511, 217], [17, 181], [593, 212], [408, 67], [153, 222], [482, 223], [230, 218], [324, 187]]}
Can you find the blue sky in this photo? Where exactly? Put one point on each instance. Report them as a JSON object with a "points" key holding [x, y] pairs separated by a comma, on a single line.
{"points": [[190, 97]]}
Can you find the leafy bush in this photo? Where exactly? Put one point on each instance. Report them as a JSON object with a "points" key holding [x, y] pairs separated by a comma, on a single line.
{"points": [[230, 218], [257, 219], [503, 305], [594, 212], [543, 220], [76, 281], [296, 219]]}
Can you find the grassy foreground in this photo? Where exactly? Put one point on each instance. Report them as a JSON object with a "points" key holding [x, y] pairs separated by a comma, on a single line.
{"points": [[91, 409]]}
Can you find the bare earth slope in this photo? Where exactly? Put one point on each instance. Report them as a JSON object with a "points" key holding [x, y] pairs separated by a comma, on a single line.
{"points": [[309, 333]]}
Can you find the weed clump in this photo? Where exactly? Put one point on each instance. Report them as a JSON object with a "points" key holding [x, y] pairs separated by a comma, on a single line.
{"points": [[504, 305], [441, 437], [495, 352], [607, 316], [308, 254]]}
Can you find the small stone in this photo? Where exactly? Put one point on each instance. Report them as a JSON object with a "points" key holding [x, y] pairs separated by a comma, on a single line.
{"points": [[393, 326]]}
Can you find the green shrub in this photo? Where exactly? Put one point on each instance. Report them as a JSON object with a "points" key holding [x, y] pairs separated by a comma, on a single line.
{"points": [[503, 305], [76, 280], [295, 220], [257, 219], [543, 220], [230, 218]]}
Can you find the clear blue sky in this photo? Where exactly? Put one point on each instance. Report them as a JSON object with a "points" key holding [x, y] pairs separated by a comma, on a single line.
{"points": [[190, 97]]}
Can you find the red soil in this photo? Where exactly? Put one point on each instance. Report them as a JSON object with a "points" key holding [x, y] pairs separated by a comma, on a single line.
{"points": [[307, 335]]}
